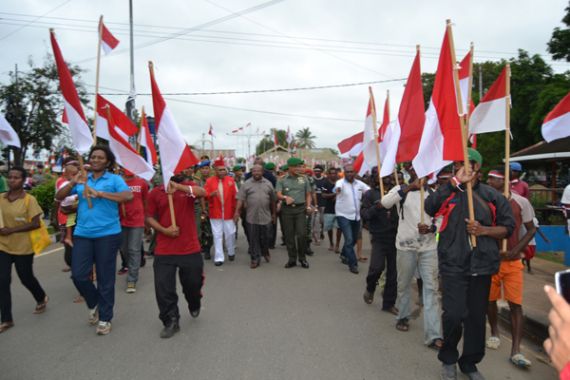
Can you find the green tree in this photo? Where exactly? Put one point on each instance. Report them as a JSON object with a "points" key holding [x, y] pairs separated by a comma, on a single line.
{"points": [[33, 104], [305, 139], [267, 142], [559, 44]]}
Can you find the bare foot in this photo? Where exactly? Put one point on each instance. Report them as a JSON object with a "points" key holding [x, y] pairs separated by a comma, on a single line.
{"points": [[78, 299]]}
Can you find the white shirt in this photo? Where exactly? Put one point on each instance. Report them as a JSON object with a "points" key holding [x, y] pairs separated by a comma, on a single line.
{"points": [[348, 201]]}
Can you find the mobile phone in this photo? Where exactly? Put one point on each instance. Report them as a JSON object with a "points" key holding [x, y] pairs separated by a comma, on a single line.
{"points": [[562, 281]]}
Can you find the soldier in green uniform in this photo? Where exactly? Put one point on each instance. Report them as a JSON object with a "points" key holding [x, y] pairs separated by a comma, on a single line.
{"points": [[201, 211], [295, 193]]}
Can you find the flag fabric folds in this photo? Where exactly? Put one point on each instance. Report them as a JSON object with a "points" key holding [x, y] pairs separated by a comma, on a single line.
{"points": [[441, 140], [556, 124], [211, 131], [8, 135], [144, 139], [125, 155], [80, 132], [108, 41], [490, 115], [126, 128], [351, 146], [175, 155], [369, 139]]}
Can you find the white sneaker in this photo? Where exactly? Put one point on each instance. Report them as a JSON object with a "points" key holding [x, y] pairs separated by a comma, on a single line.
{"points": [[103, 328], [493, 342], [93, 316], [131, 287]]}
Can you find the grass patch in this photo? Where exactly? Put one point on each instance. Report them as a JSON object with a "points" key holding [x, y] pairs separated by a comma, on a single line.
{"points": [[553, 256]]}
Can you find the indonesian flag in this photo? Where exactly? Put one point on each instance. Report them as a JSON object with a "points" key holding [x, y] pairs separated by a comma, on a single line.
{"points": [[8, 135], [556, 125], [175, 155], [351, 146], [369, 139], [402, 140], [80, 133], [490, 115], [237, 130], [125, 155], [275, 140], [465, 75], [125, 126], [211, 131], [145, 141], [108, 41], [289, 136], [441, 138], [360, 166]]}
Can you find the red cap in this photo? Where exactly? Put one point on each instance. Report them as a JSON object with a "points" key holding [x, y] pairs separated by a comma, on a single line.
{"points": [[219, 163]]}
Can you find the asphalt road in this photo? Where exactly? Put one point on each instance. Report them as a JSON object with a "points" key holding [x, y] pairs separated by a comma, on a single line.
{"points": [[267, 323]]}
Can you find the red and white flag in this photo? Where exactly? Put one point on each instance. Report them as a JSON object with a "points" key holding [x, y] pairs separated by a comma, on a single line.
{"points": [[125, 127], [402, 141], [275, 139], [556, 124], [125, 155], [237, 130], [211, 131], [465, 76], [80, 133], [289, 136], [8, 135], [145, 141], [108, 41], [370, 133], [351, 146], [441, 137], [175, 155], [490, 115]]}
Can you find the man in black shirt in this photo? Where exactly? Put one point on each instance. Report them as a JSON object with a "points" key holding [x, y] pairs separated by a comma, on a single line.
{"points": [[329, 196], [320, 180]]}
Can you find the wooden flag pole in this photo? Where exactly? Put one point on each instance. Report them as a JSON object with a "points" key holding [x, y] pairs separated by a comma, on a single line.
{"points": [[100, 37], [375, 127], [422, 201], [466, 162], [170, 201], [507, 189]]}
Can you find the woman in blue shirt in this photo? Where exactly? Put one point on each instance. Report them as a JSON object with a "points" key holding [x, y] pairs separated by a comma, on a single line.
{"points": [[97, 234]]}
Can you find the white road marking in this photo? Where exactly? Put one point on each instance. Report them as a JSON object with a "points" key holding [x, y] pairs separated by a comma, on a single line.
{"points": [[50, 251]]}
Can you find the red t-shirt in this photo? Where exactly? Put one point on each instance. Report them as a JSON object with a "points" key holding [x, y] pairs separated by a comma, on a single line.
{"points": [[157, 206], [132, 212], [521, 188]]}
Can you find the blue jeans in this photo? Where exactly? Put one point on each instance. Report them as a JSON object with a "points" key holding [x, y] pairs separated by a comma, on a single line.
{"points": [[349, 230], [103, 253]]}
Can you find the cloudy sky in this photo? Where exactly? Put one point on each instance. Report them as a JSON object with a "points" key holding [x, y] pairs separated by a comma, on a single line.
{"points": [[208, 46]]}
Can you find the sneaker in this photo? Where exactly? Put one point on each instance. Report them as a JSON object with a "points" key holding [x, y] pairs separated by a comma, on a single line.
{"points": [[448, 372], [475, 375], [368, 297], [131, 287], [93, 316], [123, 270], [169, 330], [232, 257], [103, 328], [493, 342], [520, 361]]}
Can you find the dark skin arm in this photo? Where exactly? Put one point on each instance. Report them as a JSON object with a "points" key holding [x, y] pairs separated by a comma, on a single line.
{"points": [[170, 231], [33, 225], [515, 253], [477, 229], [238, 210]]}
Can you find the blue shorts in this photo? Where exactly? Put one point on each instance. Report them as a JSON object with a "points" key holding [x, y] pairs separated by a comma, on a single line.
{"points": [[329, 222]]}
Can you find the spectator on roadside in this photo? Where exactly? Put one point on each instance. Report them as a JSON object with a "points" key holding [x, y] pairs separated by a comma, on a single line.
{"points": [[517, 184], [97, 234], [19, 214]]}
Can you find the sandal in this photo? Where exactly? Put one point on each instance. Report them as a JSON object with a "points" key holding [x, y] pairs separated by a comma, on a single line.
{"points": [[436, 344], [5, 326], [493, 342], [78, 299], [363, 259], [403, 325], [520, 361], [41, 307]]}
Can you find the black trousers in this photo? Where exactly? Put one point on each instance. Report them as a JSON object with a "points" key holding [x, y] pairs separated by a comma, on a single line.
{"points": [[464, 303], [24, 269], [383, 256], [191, 273], [258, 240]]}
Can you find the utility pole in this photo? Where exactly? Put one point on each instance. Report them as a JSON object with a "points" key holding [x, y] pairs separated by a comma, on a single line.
{"points": [[248, 136], [130, 106]]}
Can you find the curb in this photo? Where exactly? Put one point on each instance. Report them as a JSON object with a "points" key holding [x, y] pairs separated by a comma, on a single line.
{"points": [[535, 328]]}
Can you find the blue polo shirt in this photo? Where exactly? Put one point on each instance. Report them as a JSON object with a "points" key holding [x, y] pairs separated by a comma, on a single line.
{"points": [[103, 218]]}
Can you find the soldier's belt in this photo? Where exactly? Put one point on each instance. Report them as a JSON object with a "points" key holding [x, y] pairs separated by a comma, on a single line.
{"points": [[295, 205]]}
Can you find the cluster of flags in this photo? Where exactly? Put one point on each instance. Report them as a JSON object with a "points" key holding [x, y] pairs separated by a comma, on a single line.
{"points": [[434, 138]]}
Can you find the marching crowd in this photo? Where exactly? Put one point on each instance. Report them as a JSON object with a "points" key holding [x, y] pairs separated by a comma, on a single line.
{"points": [[420, 232]]}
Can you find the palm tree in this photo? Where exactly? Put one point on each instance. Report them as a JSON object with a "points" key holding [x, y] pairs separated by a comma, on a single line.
{"points": [[305, 138]]}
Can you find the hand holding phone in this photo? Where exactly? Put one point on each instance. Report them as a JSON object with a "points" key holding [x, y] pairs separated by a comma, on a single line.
{"points": [[562, 281]]}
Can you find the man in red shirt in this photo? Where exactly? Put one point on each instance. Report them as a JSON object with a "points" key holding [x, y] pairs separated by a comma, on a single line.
{"points": [[221, 193], [132, 225], [177, 248], [518, 185]]}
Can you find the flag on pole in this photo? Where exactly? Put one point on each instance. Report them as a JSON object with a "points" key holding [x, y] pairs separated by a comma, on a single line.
{"points": [[441, 140], [108, 41], [556, 124], [80, 133], [125, 155], [491, 112], [403, 137], [289, 136], [145, 141], [275, 140], [237, 130], [126, 127], [369, 139], [351, 146], [175, 155], [211, 131], [8, 135]]}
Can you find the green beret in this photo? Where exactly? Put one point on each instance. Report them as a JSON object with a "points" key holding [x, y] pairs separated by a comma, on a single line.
{"points": [[236, 168], [294, 161], [269, 166], [475, 156], [284, 168]]}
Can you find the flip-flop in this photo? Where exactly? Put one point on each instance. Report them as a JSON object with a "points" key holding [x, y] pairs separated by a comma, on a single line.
{"points": [[493, 343], [520, 361], [41, 307], [5, 326], [436, 344], [403, 325]]}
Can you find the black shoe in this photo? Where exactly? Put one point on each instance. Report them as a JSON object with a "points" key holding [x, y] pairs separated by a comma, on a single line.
{"points": [[344, 260], [232, 258], [304, 263], [290, 264], [353, 270], [218, 263], [143, 261], [195, 313], [169, 330], [309, 253], [207, 255]]}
